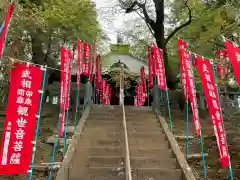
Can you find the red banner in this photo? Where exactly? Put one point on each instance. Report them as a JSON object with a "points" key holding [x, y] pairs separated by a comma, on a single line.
{"points": [[104, 87], [234, 57], [20, 122], [160, 72], [187, 68], [107, 95], [143, 79], [182, 45], [79, 63], [153, 60], [98, 74], [150, 75], [210, 92], [65, 86], [140, 95], [86, 59], [93, 61], [222, 67], [5, 28]]}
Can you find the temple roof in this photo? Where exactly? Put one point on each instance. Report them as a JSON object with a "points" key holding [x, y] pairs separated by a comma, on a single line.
{"points": [[120, 55]]}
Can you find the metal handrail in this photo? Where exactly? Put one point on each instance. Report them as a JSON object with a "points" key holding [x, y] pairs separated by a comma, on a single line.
{"points": [[121, 103]]}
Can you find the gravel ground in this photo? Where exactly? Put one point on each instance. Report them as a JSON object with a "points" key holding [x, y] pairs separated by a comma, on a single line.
{"points": [[214, 170]]}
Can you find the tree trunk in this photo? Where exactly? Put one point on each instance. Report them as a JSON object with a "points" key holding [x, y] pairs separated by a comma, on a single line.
{"points": [[170, 76], [159, 34], [38, 55]]}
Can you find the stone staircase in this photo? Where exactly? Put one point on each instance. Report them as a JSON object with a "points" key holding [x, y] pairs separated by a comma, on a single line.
{"points": [[100, 153]]}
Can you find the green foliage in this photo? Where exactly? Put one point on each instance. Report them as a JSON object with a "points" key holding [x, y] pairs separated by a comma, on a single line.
{"points": [[204, 33], [50, 23], [208, 24]]}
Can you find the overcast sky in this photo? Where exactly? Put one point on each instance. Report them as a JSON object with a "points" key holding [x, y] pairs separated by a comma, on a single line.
{"points": [[117, 20]]}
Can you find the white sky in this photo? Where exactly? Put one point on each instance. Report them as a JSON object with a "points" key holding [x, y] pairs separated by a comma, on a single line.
{"points": [[108, 8], [117, 20]]}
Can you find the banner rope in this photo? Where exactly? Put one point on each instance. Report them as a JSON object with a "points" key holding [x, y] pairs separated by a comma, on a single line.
{"points": [[24, 61], [38, 123]]}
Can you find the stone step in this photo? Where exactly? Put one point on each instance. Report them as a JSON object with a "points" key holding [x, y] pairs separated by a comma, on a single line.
{"points": [[95, 130], [136, 162], [147, 135], [103, 134], [106, 151], [134, 138], [106, 144], [104, 123], [106, 161], [142, 119], [140, 115], [141, 129], [147, 143], [105, 118], [101, 173], [115, 173], [156, 174], [120, 118], [152, 162], [114, 128], [96, 142], [144, 152], [151, 152], [159, 140]]}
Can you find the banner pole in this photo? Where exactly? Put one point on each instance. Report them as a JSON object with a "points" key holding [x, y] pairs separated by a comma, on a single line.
{"points": [[169, 108], [187, 122], [230, 165], [96, 96], [94, 88], [200, 137], [38, 121], [76, 110], [203, 157], [169, 111], [54, 146], [148, 95], [67, 114]]}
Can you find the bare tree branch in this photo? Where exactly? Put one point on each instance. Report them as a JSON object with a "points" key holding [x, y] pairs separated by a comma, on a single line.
{"points": [[147, 18], [149, 22], [181, 26], [150, 29]]}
